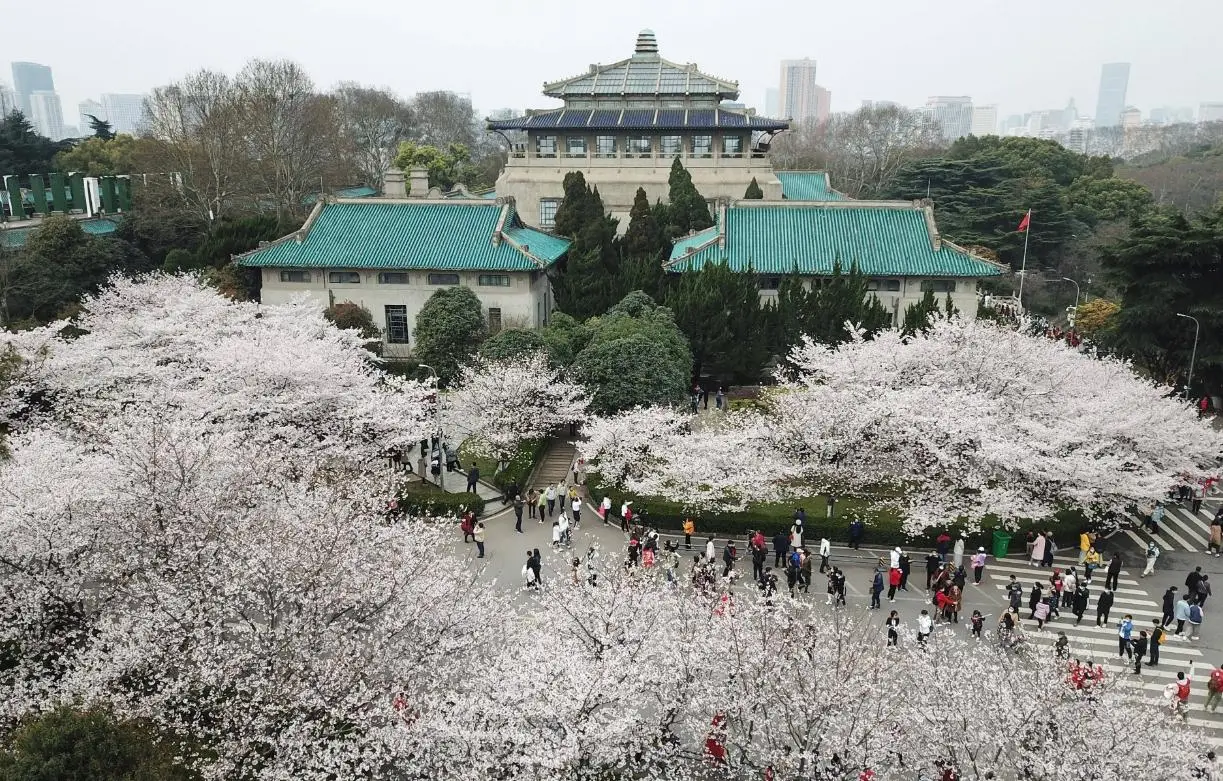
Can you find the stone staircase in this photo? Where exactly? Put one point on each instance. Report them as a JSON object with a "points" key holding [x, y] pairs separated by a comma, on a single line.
{"points": [[555, 466]]}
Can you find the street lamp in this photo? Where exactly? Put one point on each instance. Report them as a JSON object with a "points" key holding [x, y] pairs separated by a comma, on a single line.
{"points": [[1197, 328], [437, 420], [1076, 289]]}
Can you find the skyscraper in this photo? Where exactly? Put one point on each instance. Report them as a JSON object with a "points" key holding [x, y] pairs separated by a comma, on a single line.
{"points": [[8, 100], [1110, 103], [28, 78], [953, 114], [801, 97], [772, 102], [985, 120], [46, 114], [124, 112], [87, 108]]}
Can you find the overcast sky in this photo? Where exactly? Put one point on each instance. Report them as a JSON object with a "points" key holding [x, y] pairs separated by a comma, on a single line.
{"points": [[1023, 56]]}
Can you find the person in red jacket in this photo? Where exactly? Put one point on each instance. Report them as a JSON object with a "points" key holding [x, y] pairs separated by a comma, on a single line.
{"points": [[894, 576], [715, 741]]}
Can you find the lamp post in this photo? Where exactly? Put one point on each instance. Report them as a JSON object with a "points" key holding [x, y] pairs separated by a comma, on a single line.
{"points": [[437, 422], [1197, 328], [1076, 289]]}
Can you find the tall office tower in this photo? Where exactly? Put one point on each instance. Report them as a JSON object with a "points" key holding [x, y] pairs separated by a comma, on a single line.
{"points": [[125, 113], [985, 120], [801, 97], [87, 108], [46, 114], [953, 113], [8, 100], [1110, 103], [772, 102], [28, 78]]}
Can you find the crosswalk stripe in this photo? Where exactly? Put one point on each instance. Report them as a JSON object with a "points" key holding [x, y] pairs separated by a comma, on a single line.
{"points": [[1200, 521], [1095, 587], [1186, 526], [1167, 530]]}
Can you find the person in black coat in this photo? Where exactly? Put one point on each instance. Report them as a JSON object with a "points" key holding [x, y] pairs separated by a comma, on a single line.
{"points": [[905, 565], [1079, 602], [1113, 572], [932, 564], [856, 528], [1103, 605], [1169, 606], [1033, 600], [781, 546]]}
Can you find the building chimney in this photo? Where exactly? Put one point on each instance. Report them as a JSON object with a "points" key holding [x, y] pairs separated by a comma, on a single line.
{"points": [[392, 184], [418, 183]]}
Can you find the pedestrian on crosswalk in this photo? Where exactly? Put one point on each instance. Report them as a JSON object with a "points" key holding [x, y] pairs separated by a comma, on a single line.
{"points": [[1014, 593], [1169, 605], [1191, 584], [1113, 572], [1158, 636], [1140, 650], [1203, 590], [1069, 582], [1125, 632], [978, 566], [1214, 688], [1079, 602], [1181, 613], [1152, 556], [1091, 563], [1034, 599], [1195, 621], [1216, 534], [1085, 540], [1103, 605]]}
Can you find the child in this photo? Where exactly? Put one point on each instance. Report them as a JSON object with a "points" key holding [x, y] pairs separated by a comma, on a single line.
{"points": [[647, 557], [556, 534], [977, 621]]}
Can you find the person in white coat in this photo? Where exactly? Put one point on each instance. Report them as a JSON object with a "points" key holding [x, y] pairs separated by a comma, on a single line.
{"points": [[925, 625], [796, 536], [895, 563], [825, 552], [605, 507], [957, 553], [710, 553]]}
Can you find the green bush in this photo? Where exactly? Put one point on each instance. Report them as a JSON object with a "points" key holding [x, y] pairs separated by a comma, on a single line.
{"points": [[426, 499], [518, 470]]}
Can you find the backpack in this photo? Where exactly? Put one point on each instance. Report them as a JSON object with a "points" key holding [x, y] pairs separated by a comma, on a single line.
{"points": [[1195, 614], [1215, 684], [1182, 690], [796, 560]]}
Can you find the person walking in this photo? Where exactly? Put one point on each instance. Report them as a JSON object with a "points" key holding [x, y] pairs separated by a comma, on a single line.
{"points": [[933, 562], [1195, 504], [576, 507], [781, 546], [1103, 605], [1156, 517], [1152, 555], [1180, 612], [759, 556], [825, 552], [1216, 534], [1084, 545], [893, 626], [1191, 583], [796, 534], [1034, 599], [856, 531], [1169, 606], [904, 571], [550, 497], [1158, 636], [710, 553], [531, 501], [893, 583], [473, 477], [1078, 602], [1091, 563], [876, 588], [541, 504], [1195, 621], [689, 530], [605, 508], [1140, 650], [957, 552], [518, 505], [1040, 613], [1125, 632], [978, 566], [1038, 550], [1070, 581], [478, 535], [729, 557], [1214, 688], [1203, 590], [925, 625], [1113, 573], [1014, 593]]}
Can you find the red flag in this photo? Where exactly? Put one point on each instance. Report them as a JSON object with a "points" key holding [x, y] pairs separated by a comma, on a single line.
{"points": [[1023, 224]]}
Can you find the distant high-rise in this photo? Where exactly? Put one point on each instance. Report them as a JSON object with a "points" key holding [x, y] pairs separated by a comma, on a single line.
{"points": [[1210, 112], [1131, 118], [801, 97], [28, 78], [8, 100], [46, 114], [87, 108], [985, 120], [953, 114], [1110, 103], [772, 102], [124, 112]]}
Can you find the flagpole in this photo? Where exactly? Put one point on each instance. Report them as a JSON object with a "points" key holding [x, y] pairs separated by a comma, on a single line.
{"points": [[1023, 269]]}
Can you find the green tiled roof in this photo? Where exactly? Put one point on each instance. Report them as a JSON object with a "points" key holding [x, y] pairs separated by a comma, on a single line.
{"points": [[807, 186], [645, 73], [450, 236], [15, 238], [883, 238]]}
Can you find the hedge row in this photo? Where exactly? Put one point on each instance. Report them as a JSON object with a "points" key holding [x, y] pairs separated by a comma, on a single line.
{"points": [[415, 499], [883, 526], [518, 470]]}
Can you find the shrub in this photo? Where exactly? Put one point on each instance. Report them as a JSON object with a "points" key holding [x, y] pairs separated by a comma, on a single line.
{"points": [[418, 499], [518, 470]]}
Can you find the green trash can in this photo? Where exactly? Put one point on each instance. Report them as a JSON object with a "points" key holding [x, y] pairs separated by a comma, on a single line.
{"points": [[1002, 541]]}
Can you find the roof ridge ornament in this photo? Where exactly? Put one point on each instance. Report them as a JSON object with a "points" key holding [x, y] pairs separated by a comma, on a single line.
{"points": [[646, 43]]}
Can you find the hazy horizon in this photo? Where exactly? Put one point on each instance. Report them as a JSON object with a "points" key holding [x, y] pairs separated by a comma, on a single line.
{"points": [[1021, 57]]}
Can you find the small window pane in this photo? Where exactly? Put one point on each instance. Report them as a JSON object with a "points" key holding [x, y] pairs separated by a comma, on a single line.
{"points": [[294, 276], [495, 280], [639, 146], [670, 146], [702, 146], [545, 146], [886, 285], [443, 279], [938, 285], [396, 324], [494, 320], [575, 147], [605, 146], [343, 277], [393, 278], [732, 146], [547, 212]]}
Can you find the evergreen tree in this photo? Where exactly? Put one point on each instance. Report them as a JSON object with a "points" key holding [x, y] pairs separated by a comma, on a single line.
{"points": [[644, 236], [719, 311], [101, 128], [754, 193], [917, 316], [786, 314], [588, 281], [688, 210], [838, 300], [23, 151]]}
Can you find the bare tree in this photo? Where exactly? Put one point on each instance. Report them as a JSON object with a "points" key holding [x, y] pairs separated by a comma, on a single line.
{"points": [[371, 123], [197, 128], [443, 118], [286, 127]]}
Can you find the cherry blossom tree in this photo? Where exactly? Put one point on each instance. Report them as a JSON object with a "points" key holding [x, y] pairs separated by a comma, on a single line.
{"points": [[496, 405]]}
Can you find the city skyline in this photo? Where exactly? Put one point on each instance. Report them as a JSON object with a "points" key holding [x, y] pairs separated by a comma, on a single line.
{"points": [[1045, 68]]}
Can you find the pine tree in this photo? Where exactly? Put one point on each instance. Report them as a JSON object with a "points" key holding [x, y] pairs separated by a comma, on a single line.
{"points": [[587, 283], [842, 299], [917, 316], [100, 127], [719, 311], [754, 193], [688, 210], [643, 237]]}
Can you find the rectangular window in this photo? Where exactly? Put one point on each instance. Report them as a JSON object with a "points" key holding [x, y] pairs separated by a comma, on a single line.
{"points": [[547, 212], [495, 280], [344, 277], [670, 146], [545, 146], [443, 279], [732, 146], [938, 285], [396, 324], [294, 276], [884, 285], [393, 278], [702, 146], [770, 283], [494, 319], [575, 147], [605, 146], [639, 146]]}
